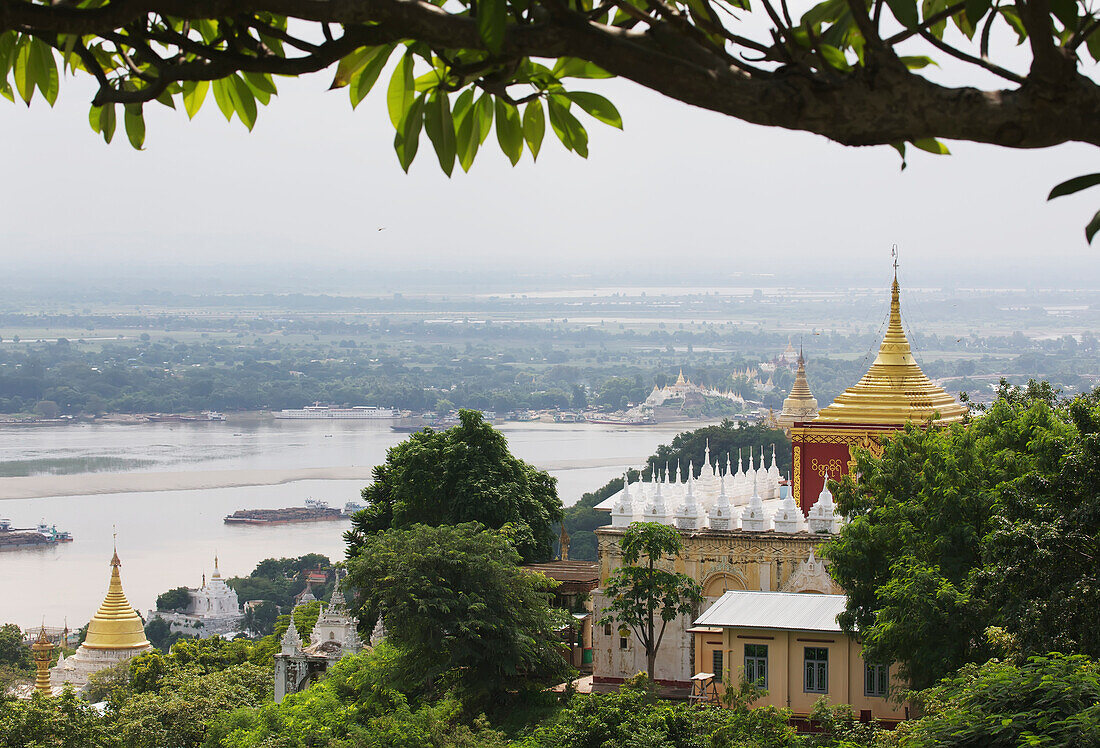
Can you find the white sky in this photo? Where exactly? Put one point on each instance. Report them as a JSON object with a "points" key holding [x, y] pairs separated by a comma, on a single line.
{"points": [[680, 187]]}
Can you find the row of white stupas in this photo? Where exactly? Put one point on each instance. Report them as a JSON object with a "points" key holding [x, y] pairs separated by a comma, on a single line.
{"points": [[753, 500]]}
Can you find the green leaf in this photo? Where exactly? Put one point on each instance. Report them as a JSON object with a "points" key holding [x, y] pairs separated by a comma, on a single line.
{"points": [[48, 82], [243, 101], [407, 140], [534, 126], [194, 93], [597, 106], [484, 116], [568, 129], [107, 122], [834, 57], [900, 148], [222, 96], [976, 10], [917, 62], [367, 77], [509, 131], [134, 120], [491, 17], [905, 11], [573, 67], [261, 82], [25, 79], [931, 145], [95, 118], [468, 138], [349, 65], [1013, 18], [1093, 227], [1074, 185], [440, 127], [166, 99], [401, 92]]}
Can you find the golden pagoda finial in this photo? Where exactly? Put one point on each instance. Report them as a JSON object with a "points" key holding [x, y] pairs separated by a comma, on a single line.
{"points": [[116, 625], [42, 650], [894, 390]]}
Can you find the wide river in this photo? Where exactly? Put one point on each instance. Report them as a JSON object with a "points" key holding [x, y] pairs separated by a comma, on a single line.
{"points": [[166, 487]]}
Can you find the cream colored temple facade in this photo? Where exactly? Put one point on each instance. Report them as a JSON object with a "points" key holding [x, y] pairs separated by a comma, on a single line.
{"points": [[744, 529], [115, 634]]}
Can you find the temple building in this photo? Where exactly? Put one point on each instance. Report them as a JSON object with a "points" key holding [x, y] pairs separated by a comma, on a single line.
{"points": [[115, 634], [689, 393], [744, 527], [298, 664], [893, 392], [213, 609], [740, 529]]}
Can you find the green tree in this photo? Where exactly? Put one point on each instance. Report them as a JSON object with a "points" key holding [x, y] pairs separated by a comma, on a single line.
{"points": [[174, 599], [259, 619], [15, 653], [644, 598], [1052, 700], [64, 722], [936, 521], [355, 705], [462, 611], [463, 474], [633, 716]]}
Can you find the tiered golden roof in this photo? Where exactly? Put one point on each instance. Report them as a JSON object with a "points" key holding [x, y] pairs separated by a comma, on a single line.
{"points": [[894, 390], [116, 625], [800, 405]]}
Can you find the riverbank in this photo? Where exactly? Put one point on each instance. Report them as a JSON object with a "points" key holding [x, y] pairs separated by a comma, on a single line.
{"points": [[91, 484]]}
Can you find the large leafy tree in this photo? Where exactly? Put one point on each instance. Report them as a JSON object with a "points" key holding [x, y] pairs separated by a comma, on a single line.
{"points": [[463, 612], [463, 474], [644, 597], [855, 71], [958, 530]]}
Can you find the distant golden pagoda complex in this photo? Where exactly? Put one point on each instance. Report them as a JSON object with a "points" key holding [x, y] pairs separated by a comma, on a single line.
{"points": [[115, 634], [893, 392]]}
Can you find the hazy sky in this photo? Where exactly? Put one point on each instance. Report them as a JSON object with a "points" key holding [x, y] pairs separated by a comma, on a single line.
{"points": [[680, 187]]}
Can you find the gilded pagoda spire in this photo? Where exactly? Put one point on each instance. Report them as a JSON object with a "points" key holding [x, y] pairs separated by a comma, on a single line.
{"points": [[894, 390], [42, 649], [800, 405], [116, 625]]}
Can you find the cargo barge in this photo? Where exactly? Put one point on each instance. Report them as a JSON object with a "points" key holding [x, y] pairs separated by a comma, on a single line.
{"points": [[14, 537], [313, 511]]}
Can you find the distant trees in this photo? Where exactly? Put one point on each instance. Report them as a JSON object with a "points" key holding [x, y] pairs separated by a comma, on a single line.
{"points": [[462, 474], [459, 608], [174, 599], [642, 595]]}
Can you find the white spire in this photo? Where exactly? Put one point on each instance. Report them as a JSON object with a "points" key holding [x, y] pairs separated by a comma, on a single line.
{"points": [[753, 519], [822, 517], [622, 512], [720, 516], [788, 517], [687, 514], [292, 640]]}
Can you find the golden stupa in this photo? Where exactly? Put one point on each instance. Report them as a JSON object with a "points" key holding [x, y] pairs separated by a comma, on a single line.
{"points": [[800, 405], [894, 390], [116, 625]]}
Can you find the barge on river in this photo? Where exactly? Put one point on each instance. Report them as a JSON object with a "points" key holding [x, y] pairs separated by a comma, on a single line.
{"points": [[313, 511], [12, 538]]}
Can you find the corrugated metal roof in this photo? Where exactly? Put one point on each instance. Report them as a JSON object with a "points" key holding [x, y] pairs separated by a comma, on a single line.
{"points": [[774, 610]]}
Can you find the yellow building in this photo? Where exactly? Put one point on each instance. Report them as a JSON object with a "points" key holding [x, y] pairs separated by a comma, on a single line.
{"points": [[791, 646]]}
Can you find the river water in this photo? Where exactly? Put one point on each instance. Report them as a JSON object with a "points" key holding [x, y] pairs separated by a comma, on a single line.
{"points": [[168, 538]]}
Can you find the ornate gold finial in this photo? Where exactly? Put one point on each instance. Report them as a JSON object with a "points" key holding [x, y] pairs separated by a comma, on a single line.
{"points": [[42, 650], [564, 539]]}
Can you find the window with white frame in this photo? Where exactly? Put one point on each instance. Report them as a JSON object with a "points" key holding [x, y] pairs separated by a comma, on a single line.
{"points": [[876, 680], [816, 670], [756, 664]]}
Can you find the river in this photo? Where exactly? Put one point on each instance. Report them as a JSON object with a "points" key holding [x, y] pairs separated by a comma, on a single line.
{"points": [[165, 488]]}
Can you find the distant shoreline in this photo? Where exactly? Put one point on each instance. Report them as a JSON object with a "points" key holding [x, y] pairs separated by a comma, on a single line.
{"points": [[92, 484]]}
